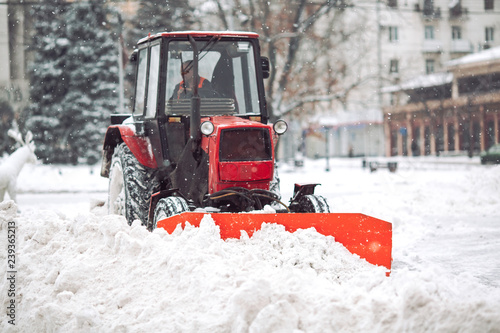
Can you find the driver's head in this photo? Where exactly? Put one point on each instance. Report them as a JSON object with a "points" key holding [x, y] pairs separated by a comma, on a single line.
{"points": [[187, 70]]}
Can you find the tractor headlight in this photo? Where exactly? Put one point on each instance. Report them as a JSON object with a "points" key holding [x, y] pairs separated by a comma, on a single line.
{"points": [[280, 127], [207, 128]]}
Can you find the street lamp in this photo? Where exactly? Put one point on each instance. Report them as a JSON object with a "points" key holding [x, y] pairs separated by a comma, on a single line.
{"points": [[327, 148]]}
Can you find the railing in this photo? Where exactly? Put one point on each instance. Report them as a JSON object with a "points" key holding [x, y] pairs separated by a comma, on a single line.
{"points": [[458, 11], [432, 46], [461, 46], [431, 12]]}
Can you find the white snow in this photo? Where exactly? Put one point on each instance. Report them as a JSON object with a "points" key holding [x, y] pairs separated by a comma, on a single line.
{"points": [[453, 3], [81, 270], [489, 55], [422, 81]]}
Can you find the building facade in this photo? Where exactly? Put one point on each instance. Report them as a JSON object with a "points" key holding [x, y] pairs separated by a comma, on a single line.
{"points": [[345, 140], [15, 25], [446, 100], [421, 36], [453, 112], [404, 40]]}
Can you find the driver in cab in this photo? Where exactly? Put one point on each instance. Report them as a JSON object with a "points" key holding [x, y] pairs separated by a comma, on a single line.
{"points": [[184, 89]]}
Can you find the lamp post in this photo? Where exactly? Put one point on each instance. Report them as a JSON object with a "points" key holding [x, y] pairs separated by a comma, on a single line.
{"points": [[121, 97], [327, 148]]}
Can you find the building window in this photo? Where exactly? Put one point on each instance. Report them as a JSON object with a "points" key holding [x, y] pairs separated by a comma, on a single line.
{"points": [[456, 32], [489, 4], [451, 137], [429, 32], [394, 66], [393, 34], [428, 7], [392, 3], [489, 34], [429, 66]]}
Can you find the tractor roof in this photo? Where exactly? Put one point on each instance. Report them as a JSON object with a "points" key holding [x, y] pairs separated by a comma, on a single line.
{"points": [[243, 34]]}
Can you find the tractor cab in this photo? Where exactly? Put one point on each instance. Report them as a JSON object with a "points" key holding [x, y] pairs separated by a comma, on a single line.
{"points": [[183, 77]]}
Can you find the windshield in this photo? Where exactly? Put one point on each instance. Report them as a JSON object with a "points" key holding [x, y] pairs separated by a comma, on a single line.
{"points": [[227, 85]]}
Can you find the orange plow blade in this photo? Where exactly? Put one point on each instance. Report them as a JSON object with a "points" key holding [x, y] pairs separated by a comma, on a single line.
{"points": [[366, 236]]}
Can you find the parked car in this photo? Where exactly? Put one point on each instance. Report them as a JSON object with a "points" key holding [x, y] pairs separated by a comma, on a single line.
{"points": [[492, 155]]}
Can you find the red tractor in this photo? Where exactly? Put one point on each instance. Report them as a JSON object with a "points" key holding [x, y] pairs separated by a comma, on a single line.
{"points": [[198, 141]]}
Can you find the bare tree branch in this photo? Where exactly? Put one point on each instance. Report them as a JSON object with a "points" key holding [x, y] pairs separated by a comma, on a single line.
{"points": [[222, 15], [303, 67], [309, 96]]}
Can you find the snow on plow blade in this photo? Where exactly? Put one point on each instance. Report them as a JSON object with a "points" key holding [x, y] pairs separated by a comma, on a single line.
{"points": [[366, 236]]}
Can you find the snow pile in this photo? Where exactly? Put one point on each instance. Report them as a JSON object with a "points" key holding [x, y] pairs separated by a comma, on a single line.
{"points": [[483, 190], [82, 270], [450, 193], [95, 273]]}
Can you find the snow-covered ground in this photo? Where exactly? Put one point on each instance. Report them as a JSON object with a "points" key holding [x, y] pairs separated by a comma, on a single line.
{"points": [[81, 270]]}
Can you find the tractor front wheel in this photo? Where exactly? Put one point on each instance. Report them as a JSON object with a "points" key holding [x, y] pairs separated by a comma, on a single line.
{"points": [[167, 207], [312, 203]]}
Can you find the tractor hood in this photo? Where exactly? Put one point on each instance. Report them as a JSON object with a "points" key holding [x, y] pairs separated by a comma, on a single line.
{"points": [[241, 153]]}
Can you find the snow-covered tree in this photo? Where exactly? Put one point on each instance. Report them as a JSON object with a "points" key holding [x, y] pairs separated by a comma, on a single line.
{"points": [[48, 77], [92, 66], [6, 122], [74, 79]]}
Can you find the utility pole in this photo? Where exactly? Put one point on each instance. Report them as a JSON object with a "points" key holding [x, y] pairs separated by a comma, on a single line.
{"points": [[121, 97], [379, 56], [327, 148], [379, 60]]}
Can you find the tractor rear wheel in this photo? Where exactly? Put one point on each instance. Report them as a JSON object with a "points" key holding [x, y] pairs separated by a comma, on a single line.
{"points": [[312, 203], [167, 207], [130, 186]]}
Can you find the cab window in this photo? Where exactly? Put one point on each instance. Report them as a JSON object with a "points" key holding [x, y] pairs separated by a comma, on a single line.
{"points": [[154, 71], [140, 90]]}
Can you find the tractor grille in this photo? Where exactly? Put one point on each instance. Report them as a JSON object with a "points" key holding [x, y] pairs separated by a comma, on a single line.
{"points": [[245, 144]]}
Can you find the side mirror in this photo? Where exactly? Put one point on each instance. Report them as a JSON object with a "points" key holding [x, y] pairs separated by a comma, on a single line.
{"points": [[133, 56], [264, 64]]}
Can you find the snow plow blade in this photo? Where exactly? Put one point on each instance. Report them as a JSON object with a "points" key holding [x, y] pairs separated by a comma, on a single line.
{"points": [[366, 236]]}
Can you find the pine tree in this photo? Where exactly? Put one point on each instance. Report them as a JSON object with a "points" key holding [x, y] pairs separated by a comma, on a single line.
{"points": [[92, 64], [48, 77], [74, 80], [6, 123]]}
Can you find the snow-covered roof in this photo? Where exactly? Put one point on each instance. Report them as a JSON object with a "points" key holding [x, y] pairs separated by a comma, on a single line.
{"points": [[423, 81], [347, 118], [483, 56]]}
